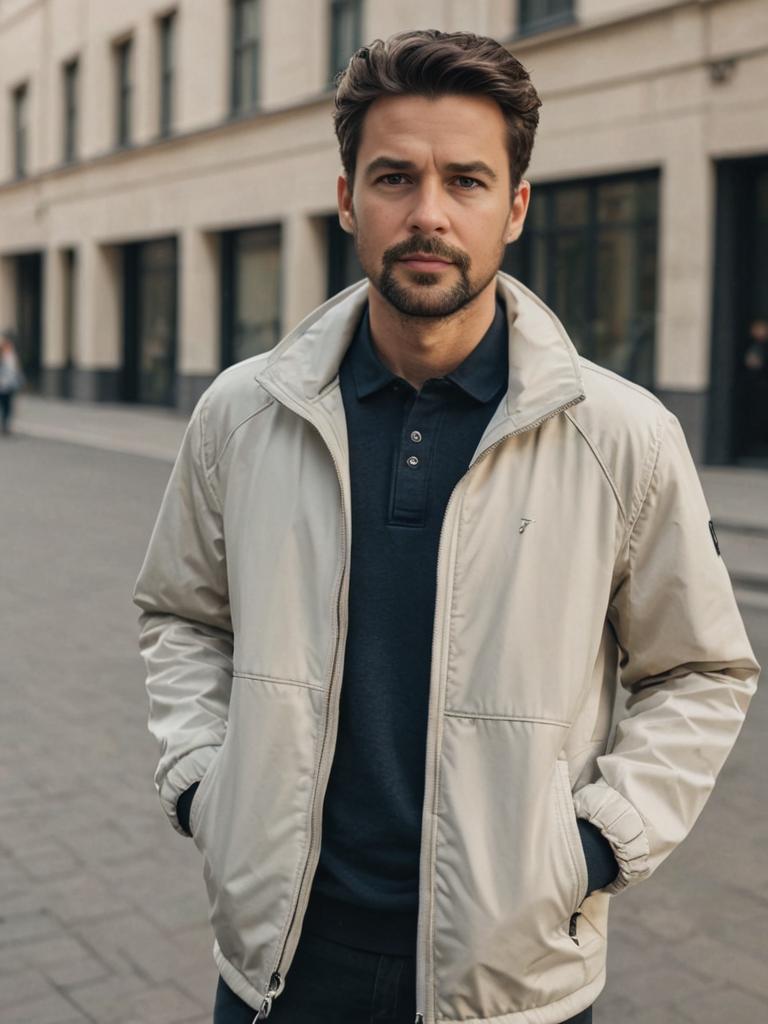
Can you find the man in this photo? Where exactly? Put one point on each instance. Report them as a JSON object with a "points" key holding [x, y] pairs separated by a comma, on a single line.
{"points": [[402, 561]]}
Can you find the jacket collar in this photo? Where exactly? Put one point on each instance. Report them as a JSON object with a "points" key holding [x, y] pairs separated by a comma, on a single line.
{"points": [[544, 372]]}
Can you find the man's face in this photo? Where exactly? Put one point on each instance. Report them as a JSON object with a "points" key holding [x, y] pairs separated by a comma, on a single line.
{"points": [[432, 181]]}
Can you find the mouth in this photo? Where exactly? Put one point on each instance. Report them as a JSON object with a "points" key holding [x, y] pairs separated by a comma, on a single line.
{"points": [[423, 261]]}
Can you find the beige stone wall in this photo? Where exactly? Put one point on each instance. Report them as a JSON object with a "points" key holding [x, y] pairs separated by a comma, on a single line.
{"points": [[629, 86]]}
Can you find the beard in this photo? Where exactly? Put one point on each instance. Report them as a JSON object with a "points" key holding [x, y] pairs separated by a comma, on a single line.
{"points": [[425, 296]]}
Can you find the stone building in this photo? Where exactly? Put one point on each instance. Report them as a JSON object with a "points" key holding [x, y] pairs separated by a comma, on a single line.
{"points": [[168, 167]]}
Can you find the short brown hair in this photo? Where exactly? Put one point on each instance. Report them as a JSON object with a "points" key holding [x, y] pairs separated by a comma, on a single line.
{"points": [[431, 63]]}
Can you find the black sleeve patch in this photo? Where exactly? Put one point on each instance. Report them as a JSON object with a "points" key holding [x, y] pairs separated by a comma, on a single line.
{"points": [[714, 536]]}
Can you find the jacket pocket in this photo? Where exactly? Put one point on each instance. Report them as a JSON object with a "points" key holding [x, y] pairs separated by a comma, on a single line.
{"points": [[570, 832], [200, 798]]}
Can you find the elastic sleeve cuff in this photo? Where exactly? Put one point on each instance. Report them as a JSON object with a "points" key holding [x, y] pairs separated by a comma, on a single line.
{"points": [[621, 825]]}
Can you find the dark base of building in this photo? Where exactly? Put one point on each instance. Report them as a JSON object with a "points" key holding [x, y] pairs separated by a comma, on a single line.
{"points": [[106, 386]]}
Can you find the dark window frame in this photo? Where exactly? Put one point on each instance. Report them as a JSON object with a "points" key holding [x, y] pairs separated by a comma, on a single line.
{"points": [[242, 49], [20, 104], [71, 81], [230, 242], [123, 51], [168, 36], [520, 256], [541, 15], [340, 10]]}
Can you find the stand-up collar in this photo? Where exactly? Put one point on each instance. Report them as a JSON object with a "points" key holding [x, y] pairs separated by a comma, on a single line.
{"points": [[543, 363]]}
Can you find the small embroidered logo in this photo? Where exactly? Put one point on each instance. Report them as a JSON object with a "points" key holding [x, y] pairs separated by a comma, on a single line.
{"points": [[524, 523]]}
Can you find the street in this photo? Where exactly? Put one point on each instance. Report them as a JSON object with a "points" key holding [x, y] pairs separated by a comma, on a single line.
{"points": [[103, 915]]}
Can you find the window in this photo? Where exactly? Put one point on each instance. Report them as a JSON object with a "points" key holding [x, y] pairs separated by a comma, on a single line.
{"points": [[70, 111], [124, 91], [589, 250], [167, 69], [538, 15], [343, 265], [250, 292], [346, 33], [20, 130], [245, 55]]}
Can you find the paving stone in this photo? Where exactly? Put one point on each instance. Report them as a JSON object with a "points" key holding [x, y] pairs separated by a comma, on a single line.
{"points": [[54, 1009], [727, 964], [729, 1005], [25, 926], [163, 1005], [108, 1000], [22, 986]]}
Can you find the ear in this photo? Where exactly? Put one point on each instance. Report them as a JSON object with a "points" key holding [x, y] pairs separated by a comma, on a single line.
{"points": [[519, 209], [344, 200]]}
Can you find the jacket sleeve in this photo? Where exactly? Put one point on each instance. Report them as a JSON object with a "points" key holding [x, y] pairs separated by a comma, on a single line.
{"points": [[685, 661], [185, 630]]}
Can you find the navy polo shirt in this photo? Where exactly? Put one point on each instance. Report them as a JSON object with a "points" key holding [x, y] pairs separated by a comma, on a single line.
{"points": [[407, 451]]}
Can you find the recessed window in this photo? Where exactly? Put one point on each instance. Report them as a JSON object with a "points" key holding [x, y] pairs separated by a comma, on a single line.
{"points": [[589, 249], [245, 55], [70, 111], [20, 130], [346, 33], [539, 15], [124, 91], [250, 292], [167, 29]]}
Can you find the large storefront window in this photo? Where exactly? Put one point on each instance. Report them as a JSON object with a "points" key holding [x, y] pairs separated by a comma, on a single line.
{"points": [[250, 293], [151, 270], [589, 250]]}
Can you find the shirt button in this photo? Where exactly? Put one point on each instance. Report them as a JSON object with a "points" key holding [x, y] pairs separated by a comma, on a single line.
{"points": [[412, 461], [415, 435]]}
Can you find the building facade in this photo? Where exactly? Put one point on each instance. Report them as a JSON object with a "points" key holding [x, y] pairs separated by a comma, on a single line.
{"points": [[168, 168]]}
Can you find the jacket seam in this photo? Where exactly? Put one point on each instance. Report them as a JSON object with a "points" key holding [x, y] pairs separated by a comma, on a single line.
{"points": [[206, 477], [453, 713], [591, 367], [648, 487], [601, 462], [268, 401], [278, 679]]}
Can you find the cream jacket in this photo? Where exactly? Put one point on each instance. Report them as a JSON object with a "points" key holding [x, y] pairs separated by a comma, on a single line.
{"points": [[575, 555]]}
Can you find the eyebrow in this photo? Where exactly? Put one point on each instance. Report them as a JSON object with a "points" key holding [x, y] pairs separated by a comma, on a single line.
{"points": [[391, 163]]}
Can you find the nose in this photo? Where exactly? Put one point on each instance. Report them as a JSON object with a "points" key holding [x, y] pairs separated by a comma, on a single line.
{"points": [[428, 214]]}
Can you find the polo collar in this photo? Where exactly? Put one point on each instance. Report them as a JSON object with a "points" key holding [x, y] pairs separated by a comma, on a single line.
{"points": [[480, 375]]}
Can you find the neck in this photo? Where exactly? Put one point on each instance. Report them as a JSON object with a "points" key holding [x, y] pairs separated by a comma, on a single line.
{"points": [[420, 348]]}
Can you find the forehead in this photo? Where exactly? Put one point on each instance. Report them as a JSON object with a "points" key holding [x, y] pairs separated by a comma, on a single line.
{"points": [[453, 128]]}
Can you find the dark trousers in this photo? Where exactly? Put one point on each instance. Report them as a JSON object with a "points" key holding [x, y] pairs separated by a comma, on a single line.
{"points": [[6, 409], [329, 984]]}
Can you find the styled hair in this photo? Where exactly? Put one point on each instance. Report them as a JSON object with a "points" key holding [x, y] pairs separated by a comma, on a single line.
{"points": [[431, 63]]}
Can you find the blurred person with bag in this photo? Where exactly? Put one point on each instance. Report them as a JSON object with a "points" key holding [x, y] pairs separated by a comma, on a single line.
{"points": [[11, 377], [404, 561]]}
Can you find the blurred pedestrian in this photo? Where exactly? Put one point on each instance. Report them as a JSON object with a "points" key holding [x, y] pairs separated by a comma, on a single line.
{"points": [[400, 768], [756, 366], [11, 376]]}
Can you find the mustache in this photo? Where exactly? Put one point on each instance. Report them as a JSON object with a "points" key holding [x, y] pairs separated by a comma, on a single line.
{"points": [[429, 246]]}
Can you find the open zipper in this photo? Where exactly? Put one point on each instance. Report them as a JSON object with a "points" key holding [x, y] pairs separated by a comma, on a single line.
{"points": [[277, 979], [424, 1009]]}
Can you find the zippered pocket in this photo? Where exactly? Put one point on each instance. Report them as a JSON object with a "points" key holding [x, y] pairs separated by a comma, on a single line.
{"points": [[572, 839], [201, 795]]}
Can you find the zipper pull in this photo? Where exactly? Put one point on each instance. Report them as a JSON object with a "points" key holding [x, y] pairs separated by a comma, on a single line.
{"points": [[266, 1003], [419, 1018], [572, 927]]}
